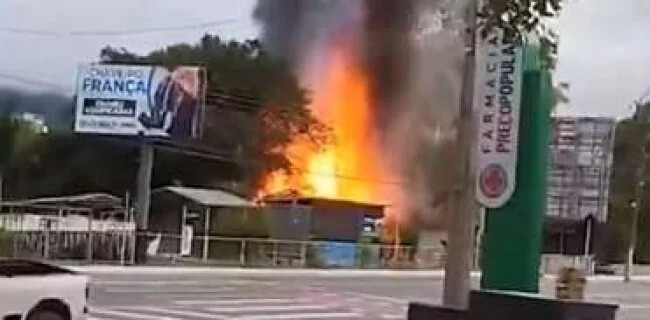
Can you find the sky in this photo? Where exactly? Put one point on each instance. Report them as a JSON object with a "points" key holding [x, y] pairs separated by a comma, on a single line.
{"points": [[604, 50], [52, 58]]}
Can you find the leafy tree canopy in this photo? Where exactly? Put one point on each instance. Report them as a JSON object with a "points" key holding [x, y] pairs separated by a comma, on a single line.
{"points": [[630, 137], [255, 106]]}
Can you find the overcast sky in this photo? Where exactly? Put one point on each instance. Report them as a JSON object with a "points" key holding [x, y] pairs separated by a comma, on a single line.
{"points": [[604, 49]]}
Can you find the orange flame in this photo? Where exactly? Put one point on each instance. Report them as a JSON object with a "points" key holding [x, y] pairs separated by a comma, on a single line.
{"points": [[353, 166]]}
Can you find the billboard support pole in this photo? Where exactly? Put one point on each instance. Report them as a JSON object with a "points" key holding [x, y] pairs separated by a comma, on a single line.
{"points": [[143, 194]]}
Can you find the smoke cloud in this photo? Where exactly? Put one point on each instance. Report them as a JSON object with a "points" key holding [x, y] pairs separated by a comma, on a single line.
{"points": [[413, 53]]}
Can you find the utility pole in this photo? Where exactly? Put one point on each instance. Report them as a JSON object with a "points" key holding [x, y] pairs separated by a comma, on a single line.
{"points": [[589, 226], [460, 230], [636, 207], [142, 204]]}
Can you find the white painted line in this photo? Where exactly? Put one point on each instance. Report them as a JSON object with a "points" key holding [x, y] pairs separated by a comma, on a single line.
{"points": [[392, 316], [619, 295], [243, 282], [152, 283], [129, 315], [239, 301], [182, 313], [166, 291], [297, 273], [272, 308], [285, 273], [179, 283], [634, 306], [378, 297], [303, 316]]}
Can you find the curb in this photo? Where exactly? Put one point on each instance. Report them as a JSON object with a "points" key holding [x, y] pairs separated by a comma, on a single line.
{"points": [[287, 273], [299, 273]]}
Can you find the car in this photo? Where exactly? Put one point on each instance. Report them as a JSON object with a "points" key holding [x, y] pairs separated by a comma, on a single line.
{"points": [[32, 290]]}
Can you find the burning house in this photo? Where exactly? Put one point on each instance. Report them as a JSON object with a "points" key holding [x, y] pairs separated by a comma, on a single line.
{"points": [[322, 219], [384, 75]]}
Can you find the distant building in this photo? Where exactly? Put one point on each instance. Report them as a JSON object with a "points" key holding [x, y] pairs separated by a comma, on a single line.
{"points": [[580, 167], [36, 121]]}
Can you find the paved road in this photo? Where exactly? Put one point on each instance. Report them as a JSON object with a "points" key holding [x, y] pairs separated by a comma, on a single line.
{"points": [[274, 297]]}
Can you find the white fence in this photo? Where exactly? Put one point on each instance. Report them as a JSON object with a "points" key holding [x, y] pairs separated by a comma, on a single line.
{"points": [[118, 247]]}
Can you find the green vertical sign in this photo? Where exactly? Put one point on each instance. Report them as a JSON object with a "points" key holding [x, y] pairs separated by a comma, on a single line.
{"points": [[513, 232]]}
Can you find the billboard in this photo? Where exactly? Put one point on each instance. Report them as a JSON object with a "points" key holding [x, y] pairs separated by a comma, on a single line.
{"points": [[497, 100], [132, 100]]}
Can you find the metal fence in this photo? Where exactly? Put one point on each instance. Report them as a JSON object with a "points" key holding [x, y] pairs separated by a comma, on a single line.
{"points": [[89, 247], [118, 248]]}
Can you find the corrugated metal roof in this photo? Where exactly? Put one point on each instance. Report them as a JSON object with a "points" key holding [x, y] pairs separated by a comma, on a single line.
{"points": [[87, 200], [208, 197]]}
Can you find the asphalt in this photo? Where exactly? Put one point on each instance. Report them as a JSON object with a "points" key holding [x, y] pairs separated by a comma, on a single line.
{"points": [[292, 294]]}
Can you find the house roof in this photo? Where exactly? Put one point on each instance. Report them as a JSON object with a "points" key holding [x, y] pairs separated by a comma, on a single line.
{"points": [[375, 210], [207, 197], [100, 201]]}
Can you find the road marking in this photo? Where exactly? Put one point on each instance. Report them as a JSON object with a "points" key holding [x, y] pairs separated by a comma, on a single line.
{"points": [[304, 316], [239, 301], [619, 295], [167, 291], [377, 297], [634, 306], [182, 313], [179, 282], [130, 315], [272, 308], [142, 283], [392, 316], [244, 282]]}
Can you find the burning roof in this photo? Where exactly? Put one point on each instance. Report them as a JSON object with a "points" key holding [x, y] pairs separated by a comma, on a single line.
{"points": [[370, 210], [385, 76]]}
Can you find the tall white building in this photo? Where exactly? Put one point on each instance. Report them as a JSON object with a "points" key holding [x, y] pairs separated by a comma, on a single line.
{"points": [[580, 167]]}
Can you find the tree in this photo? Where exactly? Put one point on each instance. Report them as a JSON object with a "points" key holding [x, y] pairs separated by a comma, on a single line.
{"points": [[19, 140], [518, 16], [630, 137], [255, 106], [8, 132]]}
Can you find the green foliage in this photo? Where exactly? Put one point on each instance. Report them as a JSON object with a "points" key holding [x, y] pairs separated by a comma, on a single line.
{"points": [[256, 107], [19, 140], [520, 18], [242, 77], [628, 157], [517, 17], [6, 243]]}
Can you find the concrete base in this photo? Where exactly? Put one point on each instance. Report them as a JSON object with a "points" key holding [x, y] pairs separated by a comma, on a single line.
{"points": [[419, 311], [486, 305]]}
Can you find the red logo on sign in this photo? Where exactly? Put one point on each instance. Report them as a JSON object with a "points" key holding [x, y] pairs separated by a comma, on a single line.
{"points": [[493, 181]]}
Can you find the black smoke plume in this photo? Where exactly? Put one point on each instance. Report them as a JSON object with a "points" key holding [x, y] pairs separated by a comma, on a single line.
{"points": [[412, 52]]}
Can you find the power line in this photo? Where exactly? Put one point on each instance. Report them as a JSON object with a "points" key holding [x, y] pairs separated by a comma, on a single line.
{"points": [[32, 81], [211, 154], [352, 178], [112, 33], [235, 102]]}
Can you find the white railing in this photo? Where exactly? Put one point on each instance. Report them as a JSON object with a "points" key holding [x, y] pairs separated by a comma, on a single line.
{"points": [[119, 247]]}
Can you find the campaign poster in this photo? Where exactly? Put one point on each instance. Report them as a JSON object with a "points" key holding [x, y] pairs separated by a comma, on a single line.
{"points": [[136, 100]]}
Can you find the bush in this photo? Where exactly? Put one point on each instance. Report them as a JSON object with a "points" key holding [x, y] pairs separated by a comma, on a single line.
{"points": [[6, 244]]}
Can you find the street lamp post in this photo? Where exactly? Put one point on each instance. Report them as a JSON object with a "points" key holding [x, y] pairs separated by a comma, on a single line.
{"points": [[636, 207]]}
